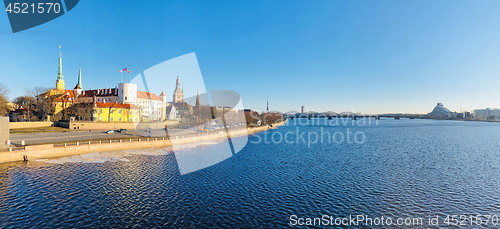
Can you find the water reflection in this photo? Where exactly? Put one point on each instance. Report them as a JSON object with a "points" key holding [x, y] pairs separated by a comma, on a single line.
{"points": [[406, 168]]}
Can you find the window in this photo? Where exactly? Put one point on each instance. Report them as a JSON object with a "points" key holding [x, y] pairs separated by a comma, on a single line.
{"points": [[100, 111], [136, 112], [100, 119], [125, 97], [130, 119], [111, 111], [111, 119], [119, 119], [136, 119], [119, 111]]}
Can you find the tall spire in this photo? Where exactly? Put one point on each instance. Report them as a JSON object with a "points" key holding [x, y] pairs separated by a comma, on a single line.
{"points": [[60, 80], [59, 73], [198, 103], [80, 77]]}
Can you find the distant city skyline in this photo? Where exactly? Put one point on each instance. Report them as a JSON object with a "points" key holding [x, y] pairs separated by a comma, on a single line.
{"points": [[367, 57]]}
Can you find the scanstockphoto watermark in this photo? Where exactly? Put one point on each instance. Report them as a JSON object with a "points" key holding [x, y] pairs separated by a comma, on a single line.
{"points": [[333, 120], [303, 134], [311, 137]]}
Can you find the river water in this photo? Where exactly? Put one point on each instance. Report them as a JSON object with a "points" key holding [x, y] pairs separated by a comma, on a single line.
{"points": [[394, 169]]}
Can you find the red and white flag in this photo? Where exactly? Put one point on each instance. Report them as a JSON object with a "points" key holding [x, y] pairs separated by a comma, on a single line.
{"points": [[119, 70]]}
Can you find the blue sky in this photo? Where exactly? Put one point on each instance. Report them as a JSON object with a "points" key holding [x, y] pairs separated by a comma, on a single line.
{"points": [[362, 56]]}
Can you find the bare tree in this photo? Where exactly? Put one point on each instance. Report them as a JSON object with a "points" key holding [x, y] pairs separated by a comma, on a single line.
{"points": [[4, 100]]}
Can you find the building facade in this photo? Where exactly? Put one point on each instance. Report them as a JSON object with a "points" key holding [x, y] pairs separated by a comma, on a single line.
{"points": [[487, 113], [440, 112]]}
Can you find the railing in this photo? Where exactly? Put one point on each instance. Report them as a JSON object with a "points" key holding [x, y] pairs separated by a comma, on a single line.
{"points": [[109, 141]]}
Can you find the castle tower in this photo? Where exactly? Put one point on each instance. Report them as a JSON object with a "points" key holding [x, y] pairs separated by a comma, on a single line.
{"points": [[60, 87], [178, 93], [164, 104], [127, 93]]}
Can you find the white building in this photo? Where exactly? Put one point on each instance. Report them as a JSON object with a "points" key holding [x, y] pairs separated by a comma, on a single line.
{"points": [[152, 106], [486, 113], [172, 113]]}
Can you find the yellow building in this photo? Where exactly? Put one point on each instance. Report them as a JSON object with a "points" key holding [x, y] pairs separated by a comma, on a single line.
{"points": [[105, 112], [116, 112]]}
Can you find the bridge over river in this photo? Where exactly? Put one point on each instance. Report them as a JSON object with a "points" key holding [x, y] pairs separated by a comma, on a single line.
{"points": [[331, 115]]}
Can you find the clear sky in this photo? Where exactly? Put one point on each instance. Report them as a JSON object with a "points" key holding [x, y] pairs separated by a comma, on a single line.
{"points": [[362, 56]]}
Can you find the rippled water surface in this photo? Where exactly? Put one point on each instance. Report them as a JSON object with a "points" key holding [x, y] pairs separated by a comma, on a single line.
{"points": [[404, 168]]}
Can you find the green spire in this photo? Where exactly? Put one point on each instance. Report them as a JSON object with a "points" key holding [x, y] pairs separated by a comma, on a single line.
{"points": [[80, 78], [59, 73]]}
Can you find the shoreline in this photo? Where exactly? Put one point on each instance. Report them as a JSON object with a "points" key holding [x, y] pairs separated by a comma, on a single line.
{"points": [[46, 151]]}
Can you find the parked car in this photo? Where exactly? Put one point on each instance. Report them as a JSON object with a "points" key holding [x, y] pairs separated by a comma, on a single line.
{"points": [[110, 131], [122, 131]]}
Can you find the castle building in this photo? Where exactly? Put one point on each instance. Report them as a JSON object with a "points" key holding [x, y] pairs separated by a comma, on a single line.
{"points": [[119, 104]]}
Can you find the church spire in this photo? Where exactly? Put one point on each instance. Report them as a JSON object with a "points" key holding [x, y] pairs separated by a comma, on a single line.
{"points": [[198, 103], [80, 77], [60, 80]]}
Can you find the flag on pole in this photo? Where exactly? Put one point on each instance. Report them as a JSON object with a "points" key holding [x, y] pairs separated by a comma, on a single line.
{"points": [[128, 71], [119, 70], [125, 69]]}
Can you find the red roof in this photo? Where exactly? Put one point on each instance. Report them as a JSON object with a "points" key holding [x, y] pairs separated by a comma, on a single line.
{"points": [[100, 92], [117, 105], [70, 97], [147, 95]]}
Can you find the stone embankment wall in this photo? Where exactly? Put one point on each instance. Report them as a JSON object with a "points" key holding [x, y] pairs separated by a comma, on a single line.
{"points": [[48, 150]]}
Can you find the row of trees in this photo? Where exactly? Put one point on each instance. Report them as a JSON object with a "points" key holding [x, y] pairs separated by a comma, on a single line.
{"points": [[37, 104], [38, 107], [253, 117]]}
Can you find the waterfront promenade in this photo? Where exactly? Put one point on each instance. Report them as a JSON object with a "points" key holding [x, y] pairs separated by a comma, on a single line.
{"points": [[80, 147]]}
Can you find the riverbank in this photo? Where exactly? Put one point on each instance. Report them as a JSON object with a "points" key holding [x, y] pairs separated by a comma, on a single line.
{"points": [[51, 150]]}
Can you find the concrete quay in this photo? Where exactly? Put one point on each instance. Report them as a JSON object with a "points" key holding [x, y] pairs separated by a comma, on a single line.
{"points": [[50, 151]]}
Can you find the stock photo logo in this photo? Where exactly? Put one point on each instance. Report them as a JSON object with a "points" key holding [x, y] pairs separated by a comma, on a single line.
{"points": [[216, 110], [26, 14]]}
